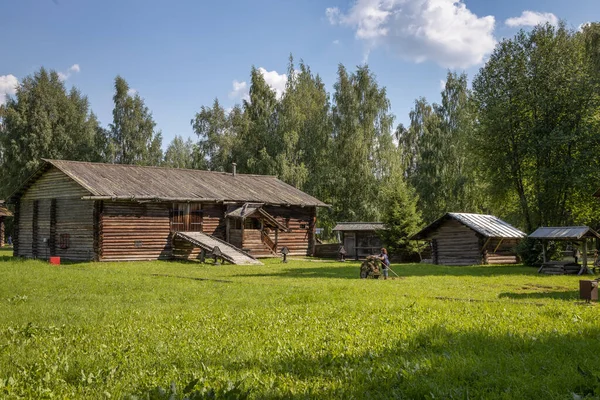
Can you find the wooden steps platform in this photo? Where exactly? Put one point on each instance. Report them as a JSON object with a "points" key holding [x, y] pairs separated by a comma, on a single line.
{"points": [[561, 268], [229, 252]]}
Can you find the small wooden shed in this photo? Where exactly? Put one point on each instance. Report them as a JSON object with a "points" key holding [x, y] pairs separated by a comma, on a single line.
{"points": [[471, 239], [4, 212], [360, 239]]}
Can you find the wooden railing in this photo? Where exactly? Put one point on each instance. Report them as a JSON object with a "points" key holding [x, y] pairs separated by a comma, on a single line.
{"points": [[268, 241]]}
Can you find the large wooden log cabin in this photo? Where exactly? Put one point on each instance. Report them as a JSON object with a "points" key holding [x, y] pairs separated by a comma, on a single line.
{"points": [[113, 212], [471, 239]]}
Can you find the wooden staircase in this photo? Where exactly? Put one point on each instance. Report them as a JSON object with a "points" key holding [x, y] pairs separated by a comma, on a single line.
{"points": [[259, 244]]}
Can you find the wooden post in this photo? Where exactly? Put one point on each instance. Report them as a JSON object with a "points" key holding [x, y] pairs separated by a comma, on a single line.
{"points": [[243, 228], [584, 268], [227, 223], [1, 231], [544, 250]]}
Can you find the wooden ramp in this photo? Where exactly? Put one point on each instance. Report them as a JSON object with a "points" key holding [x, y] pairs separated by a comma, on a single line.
{"points": [[229, 252]]}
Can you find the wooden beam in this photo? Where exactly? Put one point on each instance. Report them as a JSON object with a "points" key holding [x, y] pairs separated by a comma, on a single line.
{"points": [[499, 243]]}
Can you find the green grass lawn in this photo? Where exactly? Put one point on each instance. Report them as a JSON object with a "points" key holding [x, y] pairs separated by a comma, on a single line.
{"points": [[304, 329]]}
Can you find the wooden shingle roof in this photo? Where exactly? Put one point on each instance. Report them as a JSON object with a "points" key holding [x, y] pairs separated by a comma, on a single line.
{"points": [[132, 182]]}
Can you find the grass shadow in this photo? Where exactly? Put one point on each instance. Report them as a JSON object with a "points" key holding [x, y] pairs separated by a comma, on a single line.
{"points": [[351, 271], [562, 295], [439, 363]]}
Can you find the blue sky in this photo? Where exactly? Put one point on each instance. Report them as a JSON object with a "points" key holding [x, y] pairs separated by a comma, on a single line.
{"points": [[180, 55]]}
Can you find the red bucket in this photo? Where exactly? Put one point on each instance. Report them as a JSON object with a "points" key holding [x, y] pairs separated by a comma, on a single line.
{"points": [[55, 260]]}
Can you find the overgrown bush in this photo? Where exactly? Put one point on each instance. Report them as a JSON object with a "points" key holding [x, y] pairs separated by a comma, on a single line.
{"points": [[531, 252]]}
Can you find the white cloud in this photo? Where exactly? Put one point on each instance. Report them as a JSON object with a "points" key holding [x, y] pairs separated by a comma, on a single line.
{"points": [[132, 92], [274, 79], [336, 41], [240, 91], [583, 26], [532, 18], [442, 31], [8, 86], [63, 76], [442, 84], [333, 15]]}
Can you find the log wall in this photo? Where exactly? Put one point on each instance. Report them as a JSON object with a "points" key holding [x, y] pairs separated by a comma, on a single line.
{"points": [[54, 195], [213, 220], [134, 231], [505, 253], [185, 250], [301, 222], [456, 244]]}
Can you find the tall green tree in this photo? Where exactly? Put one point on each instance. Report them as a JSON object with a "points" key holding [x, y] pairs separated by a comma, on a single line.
{"points": [[133, 134], [362, 137], [438, 153], [537, 139], [218, 136], [261, 142], [304, 128], [45, 120], [179, 153], [400, 215]]}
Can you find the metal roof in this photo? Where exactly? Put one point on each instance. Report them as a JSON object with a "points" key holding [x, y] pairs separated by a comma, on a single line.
{"points": [[564, 233], [133, 182], [359, 226], [486, 225]]}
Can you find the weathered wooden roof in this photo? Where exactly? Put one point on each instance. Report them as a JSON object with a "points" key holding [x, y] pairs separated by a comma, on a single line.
{"points": [[564, 233], [132, 182], [250, 209], [359, 226], [4, 212], [485, 225]]}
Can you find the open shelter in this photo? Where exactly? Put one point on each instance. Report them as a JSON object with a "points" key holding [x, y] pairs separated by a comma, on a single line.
{"points": [[360, 239], [575, 234]]}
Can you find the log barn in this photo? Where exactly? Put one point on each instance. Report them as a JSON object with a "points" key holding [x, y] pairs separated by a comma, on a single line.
{"points": [[471, 239], [113, 212]]}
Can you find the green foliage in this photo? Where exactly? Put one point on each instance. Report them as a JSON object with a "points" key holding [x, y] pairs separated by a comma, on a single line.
{"points": [[362, 133], [401, 217], [44, 120], [437, 155], [180, 153], [218, 133], [134, 140], [297, 330], [537, 104]]}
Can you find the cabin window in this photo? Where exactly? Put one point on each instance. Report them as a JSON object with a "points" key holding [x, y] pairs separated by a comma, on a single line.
{"points": [[186, 217], [63, 241], [251, 223]]}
